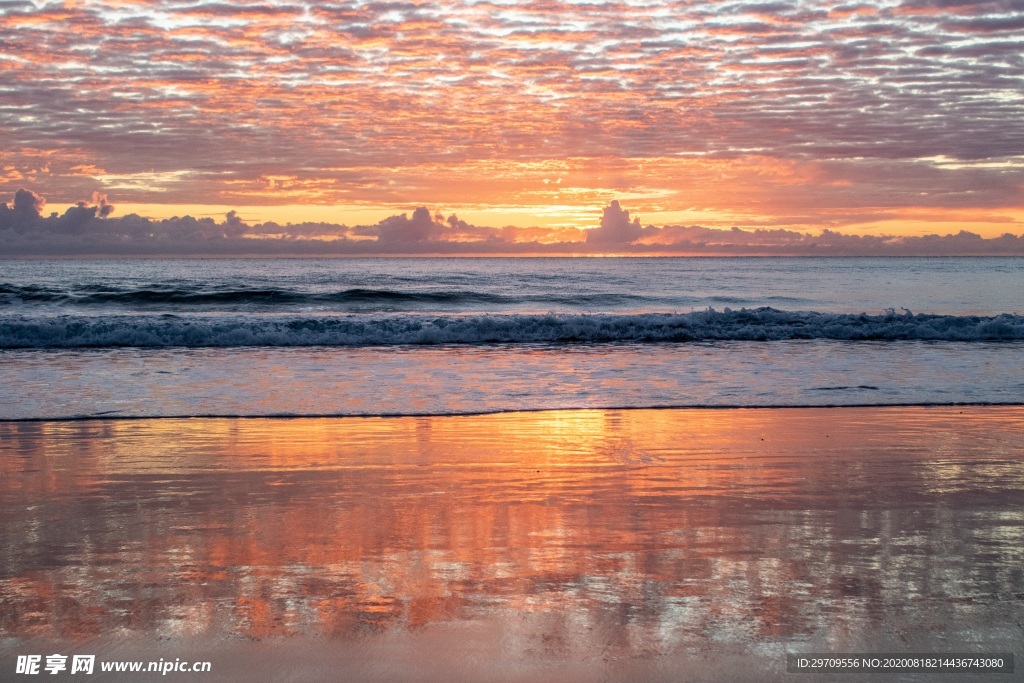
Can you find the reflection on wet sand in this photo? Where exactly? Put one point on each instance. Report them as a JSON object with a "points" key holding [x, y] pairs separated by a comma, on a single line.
{"points": [[576, 534]]}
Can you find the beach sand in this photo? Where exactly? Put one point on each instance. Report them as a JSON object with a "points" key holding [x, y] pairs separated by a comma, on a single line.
{"points": [[592, 545]]}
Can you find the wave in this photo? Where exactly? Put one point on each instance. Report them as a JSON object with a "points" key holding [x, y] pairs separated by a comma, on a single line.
{"points": [[91, 295], [98, 296], [762, 324]]}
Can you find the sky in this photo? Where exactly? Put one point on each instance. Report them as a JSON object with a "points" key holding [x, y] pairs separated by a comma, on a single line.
{"points": [[508, 126]]}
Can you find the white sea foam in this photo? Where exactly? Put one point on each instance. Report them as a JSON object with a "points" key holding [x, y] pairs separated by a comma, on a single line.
{"points": [[762, 324]]}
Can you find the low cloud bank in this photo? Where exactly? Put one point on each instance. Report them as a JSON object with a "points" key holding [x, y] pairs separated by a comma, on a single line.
{"points": [[88, 228]]}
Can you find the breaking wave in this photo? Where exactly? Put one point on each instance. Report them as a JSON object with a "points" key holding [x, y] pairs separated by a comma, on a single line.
{"points": [[761, 324], [160, 295]]}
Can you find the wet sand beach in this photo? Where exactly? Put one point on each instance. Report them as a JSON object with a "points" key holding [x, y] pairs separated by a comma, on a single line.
{"points": [[584, 545]]}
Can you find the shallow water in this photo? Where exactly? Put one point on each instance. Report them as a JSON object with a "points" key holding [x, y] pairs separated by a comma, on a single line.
{"points": [[450, 380], [575, 545]]}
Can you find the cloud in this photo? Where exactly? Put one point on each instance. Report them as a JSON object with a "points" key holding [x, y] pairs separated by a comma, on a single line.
{"points": [[195, 102], [233, 225], [89, 229], [399, 230], [27, 203], [104, 208], [24, 213], [616, 227]]}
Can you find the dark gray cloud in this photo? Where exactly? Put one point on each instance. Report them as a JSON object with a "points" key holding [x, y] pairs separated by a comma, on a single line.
{"points": [[88, 229], [401, 230]]}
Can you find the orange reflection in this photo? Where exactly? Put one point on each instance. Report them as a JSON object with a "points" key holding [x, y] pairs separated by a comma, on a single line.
{"points": [[635, 529]]}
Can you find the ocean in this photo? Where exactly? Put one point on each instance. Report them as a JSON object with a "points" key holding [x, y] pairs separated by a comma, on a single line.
{"points": [[521, 470], [435, 336]]}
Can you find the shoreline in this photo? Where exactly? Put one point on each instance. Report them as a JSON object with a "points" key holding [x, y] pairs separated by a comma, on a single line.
{"points": [[525, 411]]}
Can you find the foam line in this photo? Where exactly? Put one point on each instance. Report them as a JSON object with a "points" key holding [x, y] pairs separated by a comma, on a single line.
{"points": [[762, 324]]}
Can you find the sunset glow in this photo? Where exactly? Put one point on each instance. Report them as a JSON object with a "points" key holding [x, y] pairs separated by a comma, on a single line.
{"points": [[895, 117]]}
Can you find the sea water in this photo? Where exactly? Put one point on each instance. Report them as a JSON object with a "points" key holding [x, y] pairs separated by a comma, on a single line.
{"points": [[562, 545], [404, 336]]}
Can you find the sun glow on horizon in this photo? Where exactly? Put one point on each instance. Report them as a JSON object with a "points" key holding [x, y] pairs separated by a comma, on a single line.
{"points": [[906, 221]]}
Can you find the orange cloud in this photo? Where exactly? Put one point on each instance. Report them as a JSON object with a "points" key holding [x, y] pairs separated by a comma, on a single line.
{"points": [[760, 113]]}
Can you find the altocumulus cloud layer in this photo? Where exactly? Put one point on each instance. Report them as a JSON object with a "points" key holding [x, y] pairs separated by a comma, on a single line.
{"points": [[808, 113], [88, 228]]}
